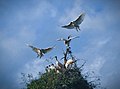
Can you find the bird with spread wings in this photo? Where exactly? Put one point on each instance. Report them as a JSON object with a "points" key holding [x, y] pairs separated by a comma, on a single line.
{"points": [[67, 41], [40, 52], [75, 24]]}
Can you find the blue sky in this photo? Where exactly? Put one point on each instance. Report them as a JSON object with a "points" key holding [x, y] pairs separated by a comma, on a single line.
{"points": [[39, 23]]}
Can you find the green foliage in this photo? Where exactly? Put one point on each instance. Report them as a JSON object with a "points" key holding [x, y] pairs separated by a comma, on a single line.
{"points": [[70, 79]]}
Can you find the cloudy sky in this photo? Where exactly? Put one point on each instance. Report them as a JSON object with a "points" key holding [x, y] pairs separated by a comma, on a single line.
{"points": [[38, 22]]}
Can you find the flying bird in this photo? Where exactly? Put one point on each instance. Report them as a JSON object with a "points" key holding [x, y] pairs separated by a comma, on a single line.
{"points": [[68, 40], [40, 52], [75, 24]]}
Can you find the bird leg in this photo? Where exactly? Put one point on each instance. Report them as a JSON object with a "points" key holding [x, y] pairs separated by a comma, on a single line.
{"points": [[37, 55], [77, 28]]}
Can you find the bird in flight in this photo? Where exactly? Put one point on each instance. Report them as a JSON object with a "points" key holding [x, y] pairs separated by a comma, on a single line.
{"points": [[68, 40], [40, 52], [75, 24]]}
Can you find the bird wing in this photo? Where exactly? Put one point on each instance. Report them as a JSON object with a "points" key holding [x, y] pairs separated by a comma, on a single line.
{"points": [[33, 48], [47, 49], [61, 39], [69, 26], [74, 37], [80, 19]]}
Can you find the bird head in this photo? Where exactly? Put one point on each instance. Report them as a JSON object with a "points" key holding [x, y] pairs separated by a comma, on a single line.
{"points": [[52, 64], [56, 57]]}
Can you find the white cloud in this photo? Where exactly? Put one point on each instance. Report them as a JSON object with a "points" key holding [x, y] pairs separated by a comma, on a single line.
{"points": [[37, 12], [15, 44], [34, 67], [71, 13], [97, 64]]}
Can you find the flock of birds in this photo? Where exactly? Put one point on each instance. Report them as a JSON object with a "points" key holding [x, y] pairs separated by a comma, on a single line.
{"points": [[59, 67]]}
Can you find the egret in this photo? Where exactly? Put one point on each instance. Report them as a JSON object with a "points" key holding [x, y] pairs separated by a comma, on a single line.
{"points": [[69, 63], [68, 40], [59, 66], [76, 23], [40, 52]]}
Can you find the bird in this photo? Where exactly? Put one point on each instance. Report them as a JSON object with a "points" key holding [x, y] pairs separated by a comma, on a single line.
{"points": [[69, 63], [75, 24], [40, 52], [47, 69], [68, 40], [52, 67], [60, 65]]}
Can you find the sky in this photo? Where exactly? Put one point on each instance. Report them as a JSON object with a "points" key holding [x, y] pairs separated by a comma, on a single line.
{"points": [[38, 22]]}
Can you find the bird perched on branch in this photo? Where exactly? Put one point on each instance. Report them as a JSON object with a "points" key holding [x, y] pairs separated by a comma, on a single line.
{"points": [[40, 52], [59, 66], [69, 63], [67, 41], [75, 24]]}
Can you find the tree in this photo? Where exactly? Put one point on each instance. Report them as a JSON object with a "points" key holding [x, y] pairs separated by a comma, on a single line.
{"points": [[71, 79]]}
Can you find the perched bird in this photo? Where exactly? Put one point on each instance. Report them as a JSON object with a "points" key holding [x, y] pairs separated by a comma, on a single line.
{"points": [[75, 24], [69, 63], [60, 65], [52, 67], [68, 40], [40, 52], [47, 69]]}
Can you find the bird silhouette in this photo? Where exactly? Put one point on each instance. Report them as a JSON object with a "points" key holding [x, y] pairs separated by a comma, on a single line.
{"points": [[40, 52], [75, 24], [68, 40]]}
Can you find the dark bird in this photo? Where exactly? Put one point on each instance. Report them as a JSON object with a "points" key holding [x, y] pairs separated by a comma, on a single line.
{"points": [[75, 24], [40, 52], [68, 40]]}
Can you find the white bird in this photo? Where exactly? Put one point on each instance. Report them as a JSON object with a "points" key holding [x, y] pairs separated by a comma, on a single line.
{"points": [[68, 40], [76, 23], [52, 67], [58, 70], [40, 52], [60, 65], [69, 63]]}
